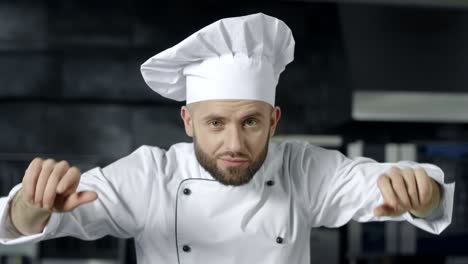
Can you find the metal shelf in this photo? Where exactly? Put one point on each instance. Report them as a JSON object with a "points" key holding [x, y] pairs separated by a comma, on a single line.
{"points": [[410, 106]]}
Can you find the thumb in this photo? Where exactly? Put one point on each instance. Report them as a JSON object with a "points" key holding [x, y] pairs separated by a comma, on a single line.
{"points": [[384, 210], [77, 199]]}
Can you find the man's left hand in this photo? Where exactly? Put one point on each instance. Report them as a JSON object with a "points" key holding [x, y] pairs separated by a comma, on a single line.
{"points": [[407, 190]]}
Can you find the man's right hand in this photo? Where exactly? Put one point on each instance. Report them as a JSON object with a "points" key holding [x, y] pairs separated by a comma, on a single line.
{"points": [[47, 186]]}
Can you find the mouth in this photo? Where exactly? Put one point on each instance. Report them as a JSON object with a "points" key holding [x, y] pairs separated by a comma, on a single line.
{"points": [[234, 162]]}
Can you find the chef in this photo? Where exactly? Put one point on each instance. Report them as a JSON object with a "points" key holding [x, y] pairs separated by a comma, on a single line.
{"points": [[231, 196]]}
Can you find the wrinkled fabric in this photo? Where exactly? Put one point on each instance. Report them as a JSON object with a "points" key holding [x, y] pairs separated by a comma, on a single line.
{"points": [[168, 202], [232, 58]]}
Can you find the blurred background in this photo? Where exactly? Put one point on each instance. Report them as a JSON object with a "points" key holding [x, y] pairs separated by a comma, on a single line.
{"points": [[386, 79]]}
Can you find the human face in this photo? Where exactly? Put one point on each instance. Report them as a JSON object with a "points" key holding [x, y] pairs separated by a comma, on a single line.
{"points": [[231, 136]]}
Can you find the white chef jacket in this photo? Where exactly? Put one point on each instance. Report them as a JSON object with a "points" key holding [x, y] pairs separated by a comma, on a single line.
{"points": [[178, 213]]}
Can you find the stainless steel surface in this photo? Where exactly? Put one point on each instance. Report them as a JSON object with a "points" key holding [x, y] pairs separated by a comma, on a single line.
{"points": [[29, 250], [319, 140], [410, 106]]}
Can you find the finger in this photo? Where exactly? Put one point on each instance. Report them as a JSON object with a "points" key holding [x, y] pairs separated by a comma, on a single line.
{"points": [[384, 210], [47, 168], [69, 181], [388, 194], [77, 199], [424, 185], [399, 187], [50, 191], [410, 181], [30, 179]]}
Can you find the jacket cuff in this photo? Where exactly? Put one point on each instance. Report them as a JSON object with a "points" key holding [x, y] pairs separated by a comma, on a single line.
{"points": [[8, 233], [441, 217]]}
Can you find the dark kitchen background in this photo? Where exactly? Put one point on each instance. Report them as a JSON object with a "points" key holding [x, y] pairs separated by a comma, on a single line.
{"points": [[385, 79]]}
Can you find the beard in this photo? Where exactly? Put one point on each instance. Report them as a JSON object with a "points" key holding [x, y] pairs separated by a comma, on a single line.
{"points": [[231, 176]]}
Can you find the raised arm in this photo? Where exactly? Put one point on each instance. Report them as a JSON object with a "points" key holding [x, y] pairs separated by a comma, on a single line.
{"points": [[55, 200], [47, 186], [407, 190], [338, 189]]}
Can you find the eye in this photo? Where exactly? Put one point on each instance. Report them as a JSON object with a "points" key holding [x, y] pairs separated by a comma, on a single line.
{"points": [[250, 122], [214, 124]]}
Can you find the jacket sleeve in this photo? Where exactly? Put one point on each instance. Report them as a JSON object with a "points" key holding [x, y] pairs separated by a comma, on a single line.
{"points": [[124, 190], [338, 189]]}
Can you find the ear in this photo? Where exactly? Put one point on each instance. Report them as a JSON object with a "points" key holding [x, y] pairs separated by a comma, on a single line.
{"points": [[187, 118], [275, 117]]}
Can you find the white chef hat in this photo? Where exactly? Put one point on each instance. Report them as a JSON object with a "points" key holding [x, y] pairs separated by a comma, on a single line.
{"points": [[232, 58]]}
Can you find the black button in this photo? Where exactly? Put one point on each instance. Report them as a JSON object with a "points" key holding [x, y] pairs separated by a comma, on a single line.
{"points": [[270, 183], [186, 248], [187, 191], [279, 240]]}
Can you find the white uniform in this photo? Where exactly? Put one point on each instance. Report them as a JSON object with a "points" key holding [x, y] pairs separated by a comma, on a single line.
{"points": [[178, 213]]}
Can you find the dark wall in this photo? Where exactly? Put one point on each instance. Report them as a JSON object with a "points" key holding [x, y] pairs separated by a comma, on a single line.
{"points": [[70, 79], [70, 85], [406, 48]]}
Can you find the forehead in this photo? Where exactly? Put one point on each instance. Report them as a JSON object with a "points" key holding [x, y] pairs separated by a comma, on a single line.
{"points": [[230, 107]]}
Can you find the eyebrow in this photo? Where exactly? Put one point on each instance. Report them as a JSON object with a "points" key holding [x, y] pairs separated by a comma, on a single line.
{"points": [[219, 117]]}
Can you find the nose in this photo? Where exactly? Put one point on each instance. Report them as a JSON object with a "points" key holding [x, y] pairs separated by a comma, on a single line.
{"points": [[234, 140]]}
